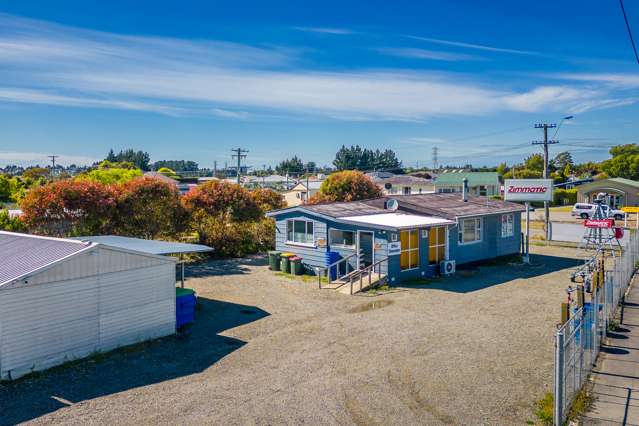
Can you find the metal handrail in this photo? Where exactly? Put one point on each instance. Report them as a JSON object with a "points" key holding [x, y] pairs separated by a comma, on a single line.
{"points": [[370, 270], [321, 270]]}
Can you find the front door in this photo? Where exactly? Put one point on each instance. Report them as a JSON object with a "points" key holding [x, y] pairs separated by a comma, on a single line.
{"points": [[365, 247]]}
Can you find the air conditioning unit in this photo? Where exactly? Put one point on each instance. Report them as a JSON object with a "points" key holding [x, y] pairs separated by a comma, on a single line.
{"points": [[447, 267]]}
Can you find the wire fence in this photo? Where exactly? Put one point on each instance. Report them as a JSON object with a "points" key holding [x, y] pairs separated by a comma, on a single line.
{"points": [[578, 340]]}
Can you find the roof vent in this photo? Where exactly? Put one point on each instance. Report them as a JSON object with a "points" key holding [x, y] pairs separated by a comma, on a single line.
{"points": [[391, 204]]}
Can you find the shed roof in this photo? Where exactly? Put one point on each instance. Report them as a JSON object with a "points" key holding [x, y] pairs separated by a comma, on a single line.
{"points": [[474, 178], [160, 176], [23, 254], [623, 181], [146, 246], [403, 180], [397, 220]]}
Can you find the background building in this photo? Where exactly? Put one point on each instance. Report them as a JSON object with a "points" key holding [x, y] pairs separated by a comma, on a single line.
{"points": [[622, 192], [479, 183]]}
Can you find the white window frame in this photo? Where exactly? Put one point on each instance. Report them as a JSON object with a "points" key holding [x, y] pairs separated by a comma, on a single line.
{"points": [[409, 250], [340, 245], [477, 220], [510, 225], [297, 243]]}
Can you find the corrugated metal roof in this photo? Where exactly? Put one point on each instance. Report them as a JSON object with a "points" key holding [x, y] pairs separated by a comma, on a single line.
{"points": [[474, 178], [23, 254], [353, 208], [146, 246], [629, 182]]}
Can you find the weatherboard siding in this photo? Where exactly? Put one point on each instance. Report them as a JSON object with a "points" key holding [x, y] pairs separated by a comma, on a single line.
{"points": [[312, 256], [43, 324], [492, 244]]}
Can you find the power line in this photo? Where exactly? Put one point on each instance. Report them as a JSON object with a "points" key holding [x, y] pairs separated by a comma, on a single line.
{"points": [[632, 41], [240, 154]]}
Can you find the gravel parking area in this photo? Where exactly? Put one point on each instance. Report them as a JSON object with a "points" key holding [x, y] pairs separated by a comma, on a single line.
{"points": [[473, 349]]}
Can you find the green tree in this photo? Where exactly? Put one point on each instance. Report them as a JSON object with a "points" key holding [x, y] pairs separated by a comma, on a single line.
{"points": [[176, 165], [8, 223], [347, 185], [561, 160], [5, 188], [293, 166], [139, 158], [111, 175], [535, 162], [501, 169], [363, 159], [567, 171], [622, 165], [628, 149]]}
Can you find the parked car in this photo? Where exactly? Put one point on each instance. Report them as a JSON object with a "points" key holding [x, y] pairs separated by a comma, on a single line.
{"points": [[585, 210]]}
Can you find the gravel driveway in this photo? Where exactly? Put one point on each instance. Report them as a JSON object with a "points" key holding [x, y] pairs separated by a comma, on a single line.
{"points": [[473, 349]]}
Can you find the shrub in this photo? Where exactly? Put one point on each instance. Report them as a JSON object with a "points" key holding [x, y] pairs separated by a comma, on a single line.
{"points": [[222, 200], [562, 197], [8, 223], [348, 185], [69, 207], [149, 208]]}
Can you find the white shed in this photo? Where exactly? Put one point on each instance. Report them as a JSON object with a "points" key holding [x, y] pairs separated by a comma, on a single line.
{"points": [[63, 299]]}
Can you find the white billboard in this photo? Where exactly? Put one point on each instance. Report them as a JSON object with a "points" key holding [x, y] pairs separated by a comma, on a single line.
{"points": [[528, 190]]}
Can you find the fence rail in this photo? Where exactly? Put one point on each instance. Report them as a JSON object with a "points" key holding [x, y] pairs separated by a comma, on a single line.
{"points": [[578, 341]]}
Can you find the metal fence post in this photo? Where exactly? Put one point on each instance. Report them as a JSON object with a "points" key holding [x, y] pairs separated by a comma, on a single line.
{"points": [[559, 378]]}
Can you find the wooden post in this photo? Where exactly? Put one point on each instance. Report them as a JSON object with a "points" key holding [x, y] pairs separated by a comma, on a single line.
{"points": [[565, 313], [580, 295]]}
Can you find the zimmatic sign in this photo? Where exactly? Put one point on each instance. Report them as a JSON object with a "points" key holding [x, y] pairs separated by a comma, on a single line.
{"points": [[599, 223], [528, 190]]}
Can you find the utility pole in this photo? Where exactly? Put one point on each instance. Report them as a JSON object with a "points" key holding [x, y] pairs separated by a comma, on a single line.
{"points": [[435, 159], [239, 154], [545, 143], [53, 157], [215, 168]]}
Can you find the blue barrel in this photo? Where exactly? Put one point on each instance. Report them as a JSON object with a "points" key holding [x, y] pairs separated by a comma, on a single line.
{"points": [[332, 257], [184, 306]]}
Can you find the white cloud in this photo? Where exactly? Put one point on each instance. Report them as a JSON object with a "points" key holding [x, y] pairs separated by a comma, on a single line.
{"points": [[472, 46], [41, 158], [51, 64], [408, 52], [618, 80], [422, 141], [225, 113], [325, 30]]}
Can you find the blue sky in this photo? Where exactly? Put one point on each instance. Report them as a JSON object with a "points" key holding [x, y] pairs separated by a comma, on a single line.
{"points": [[195, 79]]}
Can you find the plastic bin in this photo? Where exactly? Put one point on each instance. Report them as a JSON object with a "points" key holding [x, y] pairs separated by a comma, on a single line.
{"points": [[332, 257], [296, 265], [285, 264], [184, 306], [274, 260]]}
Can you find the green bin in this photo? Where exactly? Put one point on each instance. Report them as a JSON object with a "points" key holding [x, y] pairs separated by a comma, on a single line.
{"points": [[285, 264], [296, 265], [274, 260]]}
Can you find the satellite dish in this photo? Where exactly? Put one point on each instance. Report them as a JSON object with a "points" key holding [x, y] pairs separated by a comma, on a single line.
{"points": [[388, 185], [392, 204]]}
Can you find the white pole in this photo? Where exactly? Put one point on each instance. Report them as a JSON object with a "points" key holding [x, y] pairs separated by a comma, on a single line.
{"points": [[527, 255]]}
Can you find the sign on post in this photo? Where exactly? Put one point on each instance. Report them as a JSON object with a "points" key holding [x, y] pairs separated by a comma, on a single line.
{"points": [[599, 223], [630, 209], [528, 190]]}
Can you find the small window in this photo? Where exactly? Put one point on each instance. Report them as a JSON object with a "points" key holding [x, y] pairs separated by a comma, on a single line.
{"points": [[409, 256], [507, 225], [470, 231], [342, 238], [483, 191], [407, 190], [299, 231]]}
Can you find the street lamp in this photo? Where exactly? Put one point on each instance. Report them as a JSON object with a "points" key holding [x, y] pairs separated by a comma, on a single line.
{"points": [[568, 117]]}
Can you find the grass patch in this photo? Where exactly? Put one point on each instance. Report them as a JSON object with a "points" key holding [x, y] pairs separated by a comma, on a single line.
{"points": [[561, 209], [613, 326], [581, 404], [544, 409], [305, 278], [378, 290]]}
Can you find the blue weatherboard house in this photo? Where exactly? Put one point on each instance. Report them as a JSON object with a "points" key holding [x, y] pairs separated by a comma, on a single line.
{"points": [[403, 236]]}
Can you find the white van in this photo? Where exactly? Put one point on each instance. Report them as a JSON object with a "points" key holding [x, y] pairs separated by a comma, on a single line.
{"points": [[585, 211]]}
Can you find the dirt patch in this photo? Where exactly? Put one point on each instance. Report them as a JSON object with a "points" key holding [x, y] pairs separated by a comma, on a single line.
{"points": [[365, 307]]}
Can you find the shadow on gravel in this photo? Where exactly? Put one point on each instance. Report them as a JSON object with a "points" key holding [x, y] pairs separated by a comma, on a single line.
{"points": [[481, 277], [217, 267], [129, 367]]}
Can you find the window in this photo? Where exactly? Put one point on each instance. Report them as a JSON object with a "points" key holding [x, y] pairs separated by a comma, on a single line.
{"points": [[469, 231], [409, 255], [436, 245], [299, 231], [507, 225], [483, 190], [407, 190], [342, 238]]}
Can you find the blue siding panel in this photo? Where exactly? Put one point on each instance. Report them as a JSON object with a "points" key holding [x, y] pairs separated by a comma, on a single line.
{"points": [[492, 244]]}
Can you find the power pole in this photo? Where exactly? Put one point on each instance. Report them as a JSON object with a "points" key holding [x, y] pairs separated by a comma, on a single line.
{"points": [[545, 143], [215, 168], [53, 157], [435, 159], [239, 154]]}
